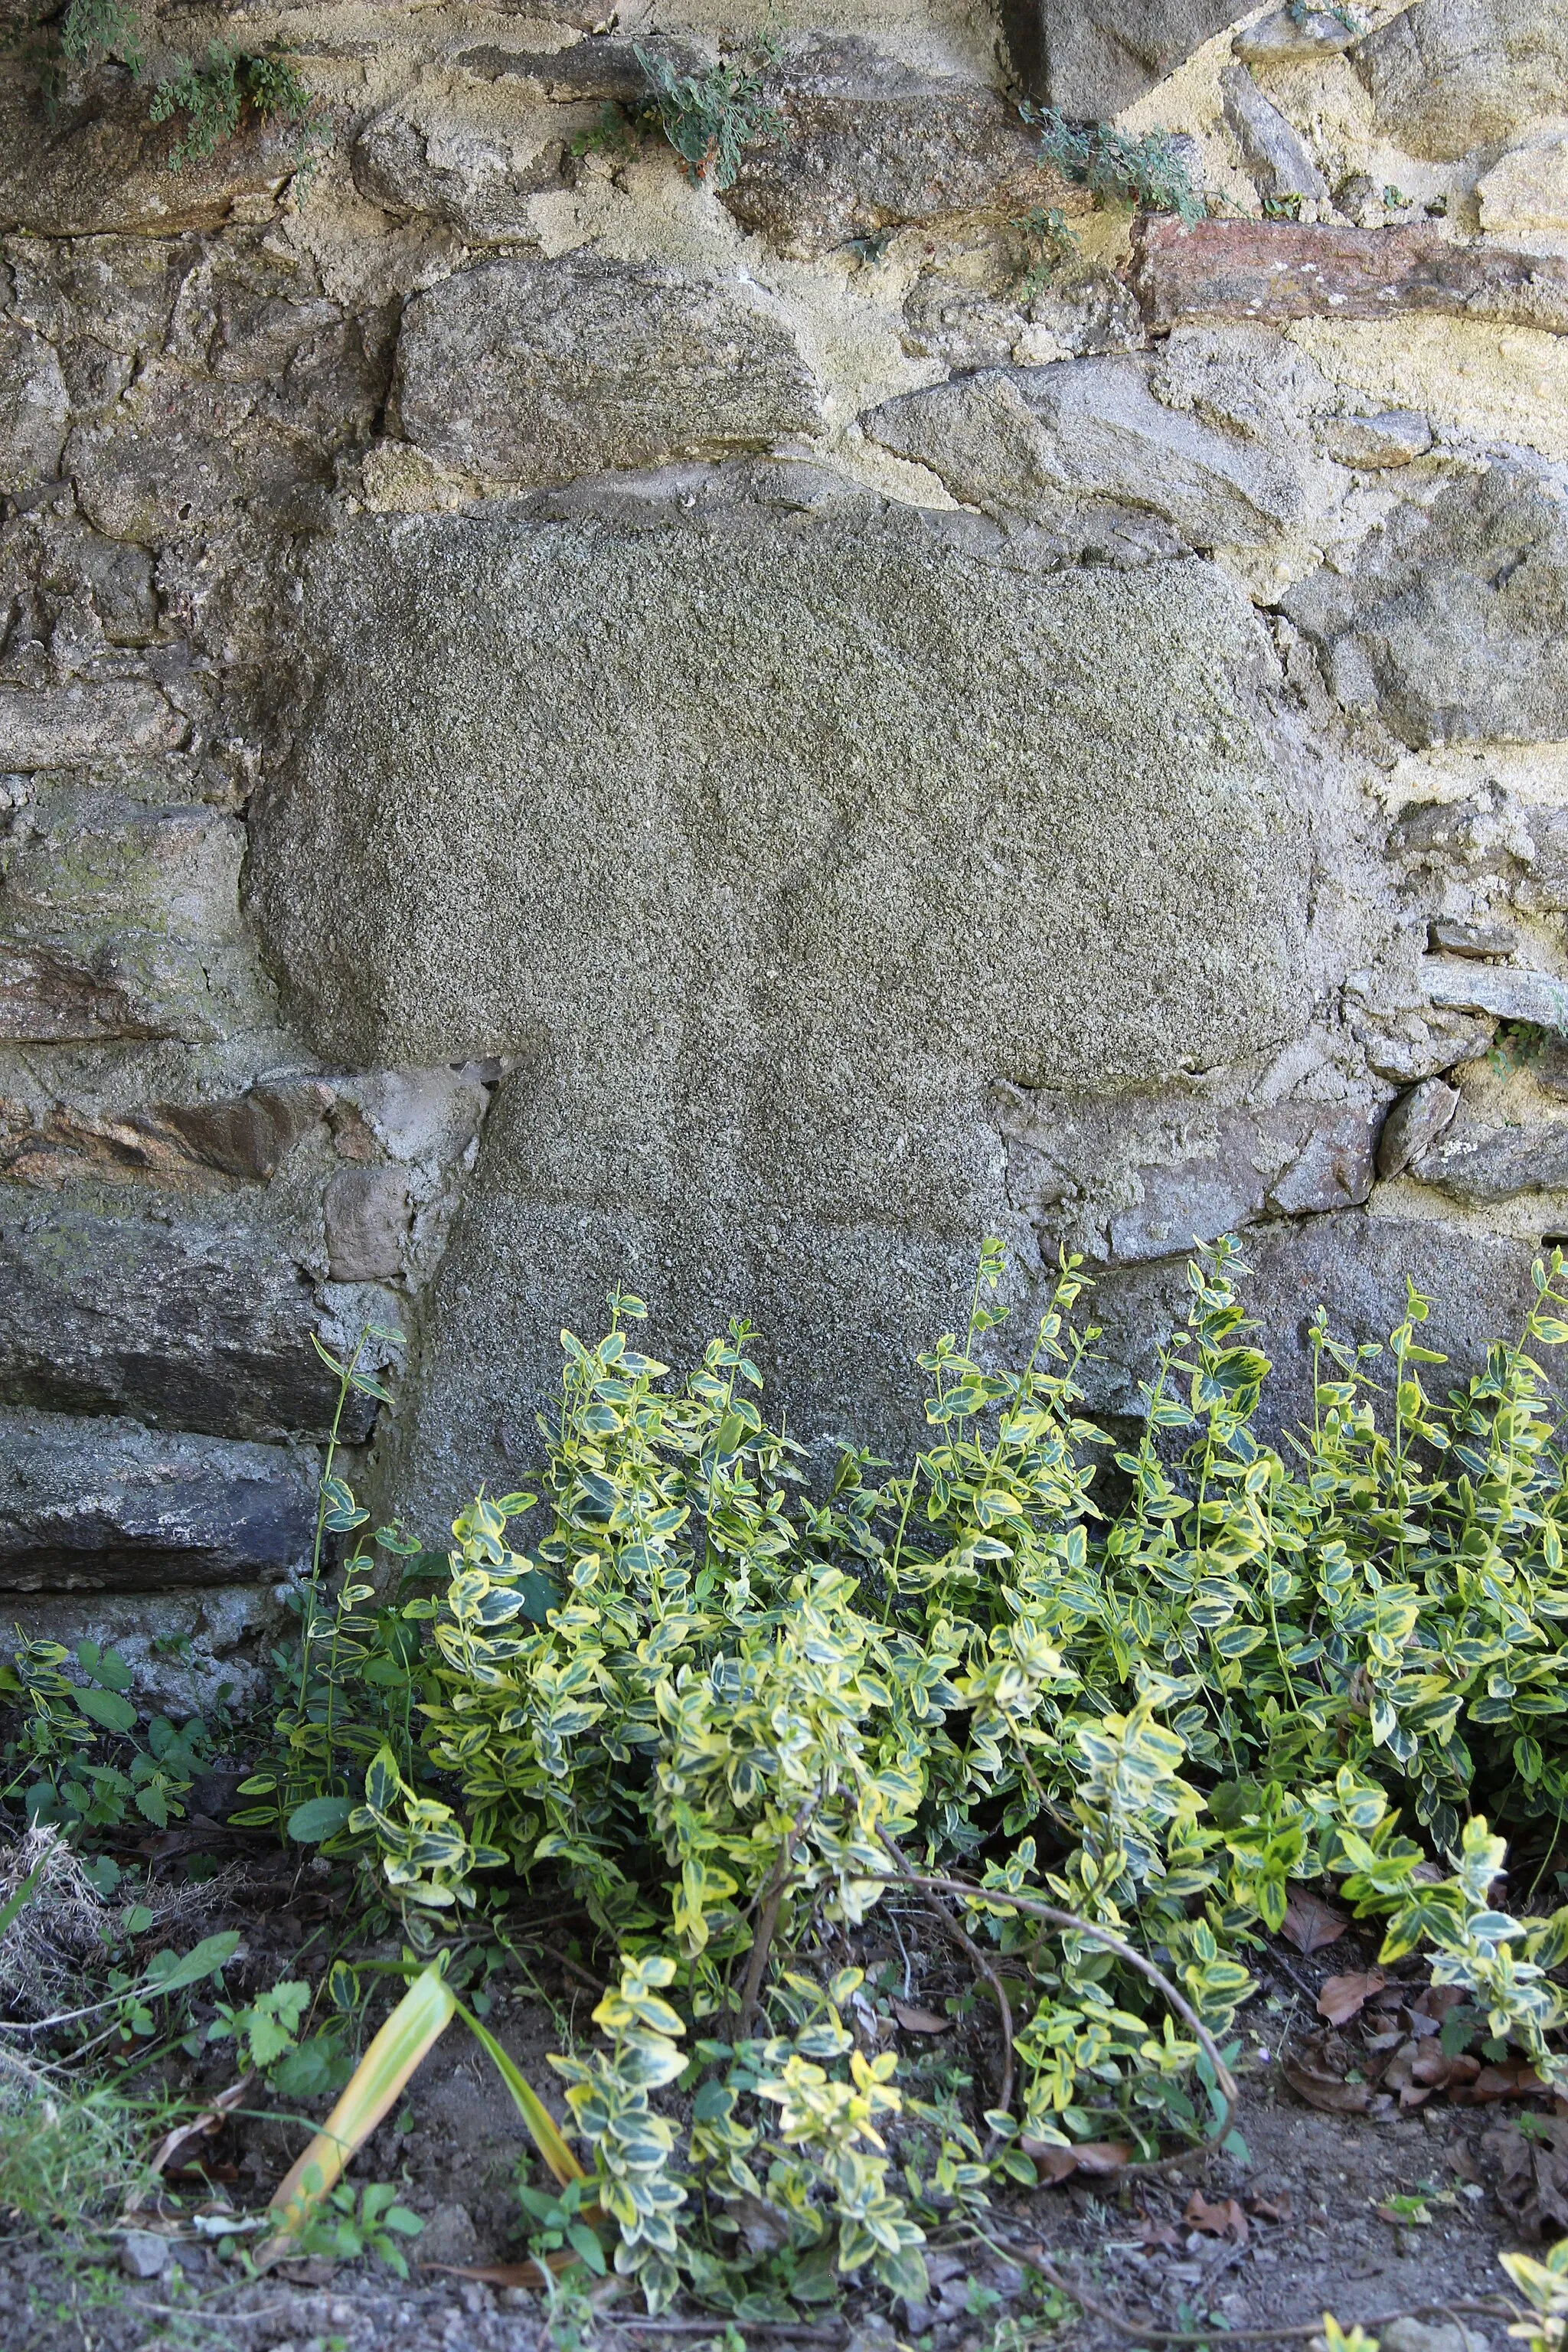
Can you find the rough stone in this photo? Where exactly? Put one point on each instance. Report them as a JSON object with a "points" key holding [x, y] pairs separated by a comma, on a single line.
{"points": [[1099, 55], [1484, 940], [1542, 848], [118, 917], [1353, 1263], [527, 370], [1372, 443], [423, 1115], [34, 407], [869, 145], [859, 809], [1502, 990], [1277, 270], [1448, 76], [56, 727], [607, 70], [47, 999], [101, 166], [1414, 1125], [1525, 193], [251, 1135], [106, 1504], [1277, 157], [1292, 37], [1292, 1163], [1036, 441], [55, 1147], [144, 2254], [479, 184], [184, 1322], [1485, 837], [366, 1211], [1481, 1166], [1449, 619]]}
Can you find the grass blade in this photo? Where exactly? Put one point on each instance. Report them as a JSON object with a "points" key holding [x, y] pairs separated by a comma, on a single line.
{"points": [[417, 2023], [543, 2127]]}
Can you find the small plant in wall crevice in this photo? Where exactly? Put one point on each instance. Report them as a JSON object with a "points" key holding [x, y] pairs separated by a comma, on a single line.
{"points": [[211, 95], [710, 119]]}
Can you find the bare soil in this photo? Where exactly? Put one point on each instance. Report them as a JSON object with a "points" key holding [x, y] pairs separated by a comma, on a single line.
{"points": [[1216, 2247]]}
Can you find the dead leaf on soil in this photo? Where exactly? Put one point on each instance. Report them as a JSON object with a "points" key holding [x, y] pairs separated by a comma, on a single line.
{"points": [[1345, 1996], [1312, 2079], [1272, 2209], [919, 2020], [1158, 2233], [1512, 2080], [1310, 1923], [1226, 2219], [1093, 2156], [1530, 2174], [183, 2136], [528, 2275]]}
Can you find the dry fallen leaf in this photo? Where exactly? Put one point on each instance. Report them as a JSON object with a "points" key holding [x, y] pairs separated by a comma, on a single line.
{"points": [[1344, 1998], [1529, 2174], [1158, 2233], [1311, 2080], [1512, 2080], [185, 2135], [1055, 2164], [919, 2020], [1309, 1923], [1272, 2209], [1223, 2220]]}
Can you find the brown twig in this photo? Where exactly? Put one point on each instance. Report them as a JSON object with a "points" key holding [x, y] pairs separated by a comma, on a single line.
{"points": [[767, 1920], [978, 1961], [575, 1968], [1224, 2079]]}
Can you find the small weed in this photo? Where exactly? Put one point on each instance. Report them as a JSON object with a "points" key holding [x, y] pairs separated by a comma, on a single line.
{"points": [[1282, 208], [1051, 255], [213, 93], [66, 2154], [1517, 1045], [344, 2228], [710, 119], [1151, 172]]}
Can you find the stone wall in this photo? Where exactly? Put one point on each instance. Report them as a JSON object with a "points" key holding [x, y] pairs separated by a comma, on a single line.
{"points": [[561, 727]]}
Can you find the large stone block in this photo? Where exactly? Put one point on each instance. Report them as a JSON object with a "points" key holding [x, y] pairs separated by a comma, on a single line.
{"points": [[1355, 1265], [186, 1321], [94, 1505], [765, 840], [1449, 621], [1447, 75], [527, 370]]}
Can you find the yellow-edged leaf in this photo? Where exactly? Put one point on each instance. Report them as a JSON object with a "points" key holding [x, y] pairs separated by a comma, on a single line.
{"points": [[417, 2023]]}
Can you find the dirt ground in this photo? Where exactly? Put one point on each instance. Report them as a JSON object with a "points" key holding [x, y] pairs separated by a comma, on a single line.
{"points": [[1215, 2247]]}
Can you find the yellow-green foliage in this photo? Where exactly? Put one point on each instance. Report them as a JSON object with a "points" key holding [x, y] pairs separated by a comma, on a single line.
{"points": [[717, 1709]]}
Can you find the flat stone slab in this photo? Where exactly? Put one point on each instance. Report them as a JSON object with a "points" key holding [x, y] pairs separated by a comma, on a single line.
{"points": [[108, 1506], [190, 1322], [1274, 271], [765, 837], [534, 370]]}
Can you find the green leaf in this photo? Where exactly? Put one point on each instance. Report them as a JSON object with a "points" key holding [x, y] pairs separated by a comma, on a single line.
{"points": [[107, 1709], [319, 1818]]}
